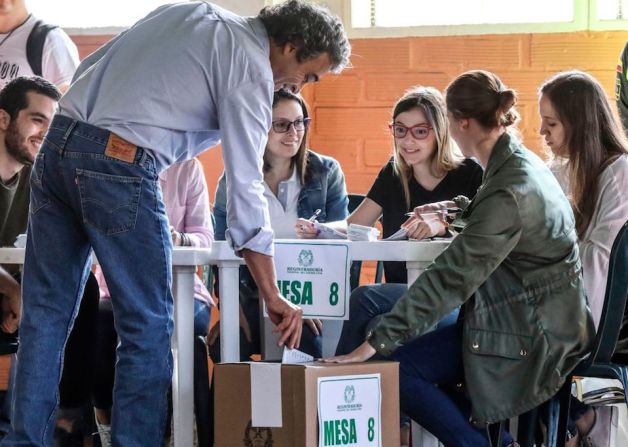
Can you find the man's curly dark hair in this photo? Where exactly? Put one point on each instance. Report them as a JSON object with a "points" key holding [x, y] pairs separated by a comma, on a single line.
{"points": [[313, 29]]}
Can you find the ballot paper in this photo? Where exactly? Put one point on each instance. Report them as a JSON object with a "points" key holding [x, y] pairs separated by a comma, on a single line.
{"points": [[294, 356], [400, 235], [20, 241], [357, 232], [327, 232]]}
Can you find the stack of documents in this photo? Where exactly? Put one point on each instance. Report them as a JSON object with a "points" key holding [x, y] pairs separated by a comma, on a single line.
{"points": [[400, 235], [327, 232], [357, 232]]}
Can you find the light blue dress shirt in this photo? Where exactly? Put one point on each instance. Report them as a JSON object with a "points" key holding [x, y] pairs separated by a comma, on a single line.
{"points": [[183, 79]]}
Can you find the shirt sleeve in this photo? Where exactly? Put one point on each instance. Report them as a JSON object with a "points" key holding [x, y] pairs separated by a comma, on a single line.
{"points": [[197, 221], [60, 58], [337, 199], [493, 230], [595, 247], [382, 186], [245, 116], [102, 284]]}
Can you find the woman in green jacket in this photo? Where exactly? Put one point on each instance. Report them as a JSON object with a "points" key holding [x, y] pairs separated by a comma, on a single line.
{"points": [[515, 270]]}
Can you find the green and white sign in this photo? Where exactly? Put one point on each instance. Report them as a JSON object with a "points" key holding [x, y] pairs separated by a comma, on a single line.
{"points": [[349, 411], [314, 276]]}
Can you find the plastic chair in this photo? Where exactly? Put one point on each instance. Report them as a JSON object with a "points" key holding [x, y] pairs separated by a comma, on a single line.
{"points": [[600, 363]]}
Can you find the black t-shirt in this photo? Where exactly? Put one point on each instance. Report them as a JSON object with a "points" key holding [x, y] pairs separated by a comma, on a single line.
{"points": [[387, 192]]}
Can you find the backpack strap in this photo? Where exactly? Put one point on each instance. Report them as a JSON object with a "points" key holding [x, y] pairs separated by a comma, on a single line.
{"points": [[35, 45]]}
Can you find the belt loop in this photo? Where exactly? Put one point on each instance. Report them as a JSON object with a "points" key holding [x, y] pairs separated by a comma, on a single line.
{"points": [[67, 133]]}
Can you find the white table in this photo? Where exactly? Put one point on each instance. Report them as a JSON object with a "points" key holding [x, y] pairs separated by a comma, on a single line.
{"points": [[417, 255], [184, 262]]}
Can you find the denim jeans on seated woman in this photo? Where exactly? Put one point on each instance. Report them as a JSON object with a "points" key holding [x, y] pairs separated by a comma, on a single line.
{"points": [[367, 304], [430, 369]]}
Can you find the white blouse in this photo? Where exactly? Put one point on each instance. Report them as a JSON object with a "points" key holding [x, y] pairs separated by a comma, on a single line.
{"points": [[283, 206], [611, 212]]}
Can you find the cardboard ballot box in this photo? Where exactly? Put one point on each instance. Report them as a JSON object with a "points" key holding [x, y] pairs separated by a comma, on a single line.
{"points": [[261, 404]]}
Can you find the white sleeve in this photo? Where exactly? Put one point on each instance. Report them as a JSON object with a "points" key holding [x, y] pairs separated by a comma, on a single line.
{"points": [[245, 115], [60, 58], [595, 247]]}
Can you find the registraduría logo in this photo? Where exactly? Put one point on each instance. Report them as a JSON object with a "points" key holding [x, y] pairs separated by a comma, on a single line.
{"points": [[257, 436], [305, 258], [349, 394]]}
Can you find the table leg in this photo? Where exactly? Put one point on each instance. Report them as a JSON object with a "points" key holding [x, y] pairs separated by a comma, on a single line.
{"points": [[183, 354], [229, 312]]}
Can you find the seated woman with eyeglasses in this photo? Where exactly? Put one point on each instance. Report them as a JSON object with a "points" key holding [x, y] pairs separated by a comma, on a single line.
{"points": [[297, 183], [426, 167]]}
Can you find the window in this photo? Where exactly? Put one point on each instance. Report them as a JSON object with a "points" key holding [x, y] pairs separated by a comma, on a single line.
{"points": [[609, 14], [612, 9], [378, 18], [404, 13]]}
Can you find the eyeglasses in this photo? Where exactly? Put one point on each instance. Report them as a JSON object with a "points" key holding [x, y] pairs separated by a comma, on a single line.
{"points": [[283, 126], [420, 131]]}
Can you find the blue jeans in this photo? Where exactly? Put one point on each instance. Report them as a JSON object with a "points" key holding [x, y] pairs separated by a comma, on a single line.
{"points": [[82, 199], [366, 307], [107, 340], [430, 368]]}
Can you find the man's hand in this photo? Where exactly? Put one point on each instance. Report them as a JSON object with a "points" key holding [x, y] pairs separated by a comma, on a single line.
{"points": [[11, 312], [361, 354], [285, 315], [288, 319]]}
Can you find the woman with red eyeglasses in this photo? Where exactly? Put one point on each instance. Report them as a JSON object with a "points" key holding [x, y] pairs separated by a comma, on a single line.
{"points": [[426, 167]]}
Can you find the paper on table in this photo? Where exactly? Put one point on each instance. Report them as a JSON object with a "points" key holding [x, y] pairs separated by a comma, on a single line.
{"points": [[327, 232], [357, 232], [400, 235], [293, 356], [20, 241]]}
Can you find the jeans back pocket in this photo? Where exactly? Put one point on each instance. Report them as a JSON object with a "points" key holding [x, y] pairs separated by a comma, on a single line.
{"points": [[109, 202]]}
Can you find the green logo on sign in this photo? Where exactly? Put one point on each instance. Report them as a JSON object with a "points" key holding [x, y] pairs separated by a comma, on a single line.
{"points": [[349, 394], [306, 258]]}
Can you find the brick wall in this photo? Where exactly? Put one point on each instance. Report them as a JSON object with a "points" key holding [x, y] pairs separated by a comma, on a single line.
{"points": [[351, 110]]}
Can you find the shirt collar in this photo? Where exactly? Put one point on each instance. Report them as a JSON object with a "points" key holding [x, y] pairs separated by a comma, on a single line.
{"points": [[506, 145]]}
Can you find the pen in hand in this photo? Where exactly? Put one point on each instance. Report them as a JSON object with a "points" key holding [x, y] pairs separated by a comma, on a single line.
{"points": [[315, 215], [447, 211]]}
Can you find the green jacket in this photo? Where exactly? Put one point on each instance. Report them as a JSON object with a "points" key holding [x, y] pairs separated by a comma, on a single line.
{"points": [[515, 266]]}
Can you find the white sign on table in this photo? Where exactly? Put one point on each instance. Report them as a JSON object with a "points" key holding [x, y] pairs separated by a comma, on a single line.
{"points": [[349, 410], [314, 276]]}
